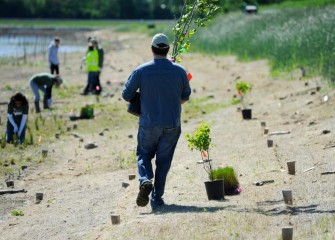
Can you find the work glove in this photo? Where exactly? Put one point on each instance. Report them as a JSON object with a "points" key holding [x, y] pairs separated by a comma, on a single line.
{"points": [[49, 102]]}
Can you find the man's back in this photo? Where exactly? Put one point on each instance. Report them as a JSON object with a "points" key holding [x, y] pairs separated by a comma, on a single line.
{"points": [[162, 85]]}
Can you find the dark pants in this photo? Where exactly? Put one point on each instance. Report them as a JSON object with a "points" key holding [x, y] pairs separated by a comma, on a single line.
{"points": [[160, 142], [54, 68], [10, 134], [92, 82], [98, 88]]}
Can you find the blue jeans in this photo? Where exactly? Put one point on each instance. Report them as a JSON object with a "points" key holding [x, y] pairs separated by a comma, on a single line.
{"points": [[10, 134], [36, 89], [161, 142]]}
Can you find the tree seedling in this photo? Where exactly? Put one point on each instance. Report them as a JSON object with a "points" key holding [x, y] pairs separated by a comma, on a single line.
{"points": [[200, 140], [17, 213], [243, 88]]}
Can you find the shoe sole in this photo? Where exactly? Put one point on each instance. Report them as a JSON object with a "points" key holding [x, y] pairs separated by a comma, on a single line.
{"points": [[143, 196]]}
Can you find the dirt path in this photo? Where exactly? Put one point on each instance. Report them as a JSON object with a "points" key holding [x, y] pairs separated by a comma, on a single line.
{"points": [[81, 187]]}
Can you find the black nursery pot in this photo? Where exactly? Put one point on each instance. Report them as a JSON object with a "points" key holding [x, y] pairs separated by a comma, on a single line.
{"points": [[247, 114], [215, 189], [10, 183]]}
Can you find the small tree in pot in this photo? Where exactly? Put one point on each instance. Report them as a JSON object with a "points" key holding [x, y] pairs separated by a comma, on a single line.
{"points": [[200, 140], [243, 88]]}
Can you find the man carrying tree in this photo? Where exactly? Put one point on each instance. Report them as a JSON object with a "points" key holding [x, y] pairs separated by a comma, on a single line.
{"points": [[163, 87]]}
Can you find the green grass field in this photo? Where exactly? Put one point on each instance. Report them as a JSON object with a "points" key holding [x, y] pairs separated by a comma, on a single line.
{"points": [[118, 25], [288, 38]]}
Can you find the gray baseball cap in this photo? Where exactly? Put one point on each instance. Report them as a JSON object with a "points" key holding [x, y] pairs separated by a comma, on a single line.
{"points": [[158, 39]]}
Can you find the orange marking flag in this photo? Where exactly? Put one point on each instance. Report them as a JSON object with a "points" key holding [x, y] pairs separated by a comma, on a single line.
{"points": [[204, 154], [189, 76]]}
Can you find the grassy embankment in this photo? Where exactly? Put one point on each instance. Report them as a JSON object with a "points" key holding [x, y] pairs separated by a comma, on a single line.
{"points": [[289, 38]]}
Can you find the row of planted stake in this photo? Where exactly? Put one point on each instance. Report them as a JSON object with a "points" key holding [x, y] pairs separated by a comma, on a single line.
{"points": [[200, 140], [243, 88], [287, 232]]}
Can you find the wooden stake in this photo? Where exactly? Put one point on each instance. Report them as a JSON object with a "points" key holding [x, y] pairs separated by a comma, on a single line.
{"points": [[131, 176], [44, 153], [39, 196], [115, 219], [287, 195], [287, 233], [10, 184], [291, 167]]}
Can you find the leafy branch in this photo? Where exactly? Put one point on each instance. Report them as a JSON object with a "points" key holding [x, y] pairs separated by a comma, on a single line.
{"points": [[201, 11]]}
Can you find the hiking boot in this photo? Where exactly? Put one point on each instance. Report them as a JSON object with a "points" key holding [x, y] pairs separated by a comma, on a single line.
{"points": [[143, 196], [37, 107], [156, 204], [45, 104]]}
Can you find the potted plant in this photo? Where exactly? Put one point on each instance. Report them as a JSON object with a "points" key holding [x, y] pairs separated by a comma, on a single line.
{"points": [[200, 140], [231, 184], [243, 88]]}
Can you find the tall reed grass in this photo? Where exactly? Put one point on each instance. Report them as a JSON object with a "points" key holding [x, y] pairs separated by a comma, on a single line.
{"points": [[288, 38]]}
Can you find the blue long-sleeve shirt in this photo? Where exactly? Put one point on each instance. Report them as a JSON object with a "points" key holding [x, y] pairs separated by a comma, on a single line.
{"points": [[53, 54], [162, 85]]}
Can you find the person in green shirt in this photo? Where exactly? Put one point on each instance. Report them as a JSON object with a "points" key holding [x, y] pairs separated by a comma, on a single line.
{"points": [[92, 69], [17, 114], [44, 82], [100, 50]]}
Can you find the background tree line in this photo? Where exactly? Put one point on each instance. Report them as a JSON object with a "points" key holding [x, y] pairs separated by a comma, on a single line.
{"points": [[105, 9]]}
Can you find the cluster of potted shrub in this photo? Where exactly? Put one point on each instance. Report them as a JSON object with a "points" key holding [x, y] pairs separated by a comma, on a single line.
{"points": [[222, 180]]}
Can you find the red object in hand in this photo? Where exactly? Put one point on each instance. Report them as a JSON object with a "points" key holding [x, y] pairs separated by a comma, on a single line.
{"points": [[189, 76]]}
